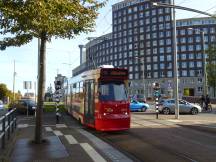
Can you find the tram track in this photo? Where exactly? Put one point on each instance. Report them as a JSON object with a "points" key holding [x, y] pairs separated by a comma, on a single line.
{"points": [[168, 143], [137, 155]]}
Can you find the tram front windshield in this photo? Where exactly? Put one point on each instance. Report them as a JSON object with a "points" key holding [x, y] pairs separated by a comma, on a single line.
{"points": [[112, 91]]}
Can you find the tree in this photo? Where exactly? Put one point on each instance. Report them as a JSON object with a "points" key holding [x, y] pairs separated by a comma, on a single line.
{"points": [[211, 67], [23, 20], [3, 91]]}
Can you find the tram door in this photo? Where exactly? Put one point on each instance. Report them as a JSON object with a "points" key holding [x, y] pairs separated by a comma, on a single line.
{"points": [[89, 102]]}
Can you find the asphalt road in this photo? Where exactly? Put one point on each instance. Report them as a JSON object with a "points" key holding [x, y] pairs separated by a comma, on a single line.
{"points": [[161, 140]]}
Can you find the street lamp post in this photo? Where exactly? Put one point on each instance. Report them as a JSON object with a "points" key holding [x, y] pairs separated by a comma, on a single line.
{"points": [[175, 63], [205, 83], [143, 78], [173, 6]]}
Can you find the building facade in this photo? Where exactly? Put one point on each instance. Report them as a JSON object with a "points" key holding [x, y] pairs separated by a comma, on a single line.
{"points": [[142, 42]]}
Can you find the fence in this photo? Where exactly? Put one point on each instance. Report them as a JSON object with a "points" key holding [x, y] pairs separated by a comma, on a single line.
{"points": [[7, 126]]}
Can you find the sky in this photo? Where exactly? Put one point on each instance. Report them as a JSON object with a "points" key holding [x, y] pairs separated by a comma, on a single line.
{"points": [[63, 54]]}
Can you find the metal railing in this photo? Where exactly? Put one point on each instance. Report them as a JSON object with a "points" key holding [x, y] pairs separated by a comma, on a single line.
{"points": [[7, 126]]}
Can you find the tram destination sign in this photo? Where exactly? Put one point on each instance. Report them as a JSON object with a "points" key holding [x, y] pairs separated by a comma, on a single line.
{"points": [[114, 73]]}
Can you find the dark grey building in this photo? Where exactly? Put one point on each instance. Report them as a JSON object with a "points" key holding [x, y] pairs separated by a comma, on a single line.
{"points": [[141, 41]]}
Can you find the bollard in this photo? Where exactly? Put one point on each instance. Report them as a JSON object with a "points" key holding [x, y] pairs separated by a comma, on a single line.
{"points": [[156, 106], [57, 114]]}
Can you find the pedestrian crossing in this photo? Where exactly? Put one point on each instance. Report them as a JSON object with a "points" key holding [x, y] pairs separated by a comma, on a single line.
{"points": [[94, 155]]}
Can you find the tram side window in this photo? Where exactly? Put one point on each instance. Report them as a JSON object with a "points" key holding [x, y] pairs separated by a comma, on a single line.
{"points": [[74, 89], [81, 89], [77, 90]]}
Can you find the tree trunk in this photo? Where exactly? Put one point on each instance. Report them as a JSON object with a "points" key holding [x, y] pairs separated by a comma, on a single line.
{"points": [[41, 88]]}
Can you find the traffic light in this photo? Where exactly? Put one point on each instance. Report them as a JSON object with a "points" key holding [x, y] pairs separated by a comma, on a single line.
{"points": [[57, 85], [156, 86]]}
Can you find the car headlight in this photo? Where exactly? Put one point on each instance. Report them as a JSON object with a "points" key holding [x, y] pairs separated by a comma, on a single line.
{"points": [[33, 107]]}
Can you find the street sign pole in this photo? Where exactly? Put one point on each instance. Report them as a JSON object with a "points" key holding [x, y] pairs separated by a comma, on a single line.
{"points": [[156, 87]]}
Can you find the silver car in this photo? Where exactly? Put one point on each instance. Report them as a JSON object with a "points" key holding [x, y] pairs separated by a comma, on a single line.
{"points": [[167, 106]]}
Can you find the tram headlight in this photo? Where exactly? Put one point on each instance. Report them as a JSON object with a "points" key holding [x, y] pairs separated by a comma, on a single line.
{"points": [[104, 114], [126, 113]]}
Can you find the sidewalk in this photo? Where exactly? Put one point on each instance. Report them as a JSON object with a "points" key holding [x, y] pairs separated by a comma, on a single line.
{"points": [[65, 142]]}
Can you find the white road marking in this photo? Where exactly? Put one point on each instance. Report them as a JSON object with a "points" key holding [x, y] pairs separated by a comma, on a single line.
{"points": [[108, 150], [57, 133], [175, 121], [95, 156], [71, 139], [22, 125], [48, 129], [61, 126]]}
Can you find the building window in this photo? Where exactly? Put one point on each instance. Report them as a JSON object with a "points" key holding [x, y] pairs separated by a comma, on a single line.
{"points": [[162, 58], [168, 33], [162, 74], [155, 58], [161, 65], [198, 39], [184, 73], [161, 42], [199, 89], [199, 64], [191, 56], [155, 66], [155, 74], [160, 19], [129, 10], [168, 41], [162, 50], [169, 74], [198, 56], [190, 40], [184, 64], [130, 76], [191, 64], [182, 32], [148, 59], [169, 65], [149, 67], [168, 49], [183, 48], [198, 47], [169, 57], [183, 56], [161, 34], [192, 73]]}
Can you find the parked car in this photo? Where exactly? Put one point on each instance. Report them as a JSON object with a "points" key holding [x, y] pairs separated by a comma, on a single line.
{"points": [[23, 104], [138, 106], [1, 105], [138, 97], [167, 106]]}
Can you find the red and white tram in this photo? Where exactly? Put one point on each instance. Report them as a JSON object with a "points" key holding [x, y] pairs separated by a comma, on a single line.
{"points": [[98, 99]]}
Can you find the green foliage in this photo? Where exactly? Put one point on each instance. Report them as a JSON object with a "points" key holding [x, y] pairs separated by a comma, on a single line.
{"points": [[4, 92], [211, 66], [52, 108], [26, 19]]}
